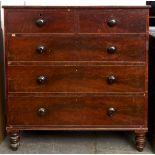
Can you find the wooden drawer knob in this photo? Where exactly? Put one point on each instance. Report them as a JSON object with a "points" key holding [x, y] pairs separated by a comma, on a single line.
{"points": [[111, 50], [112, 22], [111, 111], [111, 79], [42, 111], [41, 79], [40, 22], [40, 49]]}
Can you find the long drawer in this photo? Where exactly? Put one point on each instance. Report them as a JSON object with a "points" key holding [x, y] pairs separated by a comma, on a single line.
{"points": [[86, 110], [82, 20], [76, 78], [76, 48]]}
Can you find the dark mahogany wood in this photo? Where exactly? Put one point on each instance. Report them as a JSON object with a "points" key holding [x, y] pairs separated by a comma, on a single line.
{"points": [[76, 68], [140, 140], [56, 21], [76, 79], [90, 21], [126, 21], [76, 48], [76, 111], [77, 7]]}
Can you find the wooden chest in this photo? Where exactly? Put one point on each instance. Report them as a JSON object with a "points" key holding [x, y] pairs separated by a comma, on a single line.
{"points": [[76, 68]]}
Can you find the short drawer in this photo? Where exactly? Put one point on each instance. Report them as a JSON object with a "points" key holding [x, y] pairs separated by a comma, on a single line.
{"points": [[86, 111], [76, 78], [76, 48], [40, 21], [112, 21]]}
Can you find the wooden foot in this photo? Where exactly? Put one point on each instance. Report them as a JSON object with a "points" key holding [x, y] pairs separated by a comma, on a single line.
{"points": [[140, 140], [14, 138]]}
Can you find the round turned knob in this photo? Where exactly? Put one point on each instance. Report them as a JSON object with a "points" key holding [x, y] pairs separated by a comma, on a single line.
{"points": [[111, 111], [112, 22], [40, 49], [40, 22], [111, 50], [41, 79], [111, 79], [42, 111]]}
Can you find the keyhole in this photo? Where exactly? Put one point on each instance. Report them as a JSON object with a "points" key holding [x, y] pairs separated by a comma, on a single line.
{"points": [[40, 14], [76, 69]]}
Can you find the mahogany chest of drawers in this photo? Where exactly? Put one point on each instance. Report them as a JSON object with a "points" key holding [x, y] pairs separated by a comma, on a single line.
{"points": [[76, 68]]}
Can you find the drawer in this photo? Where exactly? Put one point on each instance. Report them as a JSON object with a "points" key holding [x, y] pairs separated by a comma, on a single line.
{"points": [[86, 110], [112, 21], [76, 78], [40, 21], [81, 21], [74, 48]]}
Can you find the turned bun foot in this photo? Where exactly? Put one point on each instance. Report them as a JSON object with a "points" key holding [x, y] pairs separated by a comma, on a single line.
{"points": [[14, 138], [14, 147], [140, 140]]}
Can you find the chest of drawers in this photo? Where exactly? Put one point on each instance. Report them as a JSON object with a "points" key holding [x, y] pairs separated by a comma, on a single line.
{"points": [[76, 68]]}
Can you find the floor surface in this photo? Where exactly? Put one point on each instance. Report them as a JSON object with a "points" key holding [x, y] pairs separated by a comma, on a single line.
{"points": [[75, 142]]}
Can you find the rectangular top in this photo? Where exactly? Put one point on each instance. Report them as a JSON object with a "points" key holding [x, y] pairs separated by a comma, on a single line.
{"points": [[87, 7]]}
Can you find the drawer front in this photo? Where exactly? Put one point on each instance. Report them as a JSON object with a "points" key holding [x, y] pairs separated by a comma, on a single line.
{"points": [[112, 21], [76, 78], [73, 48], [27, 21], [81, 21], [105, 110]]}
